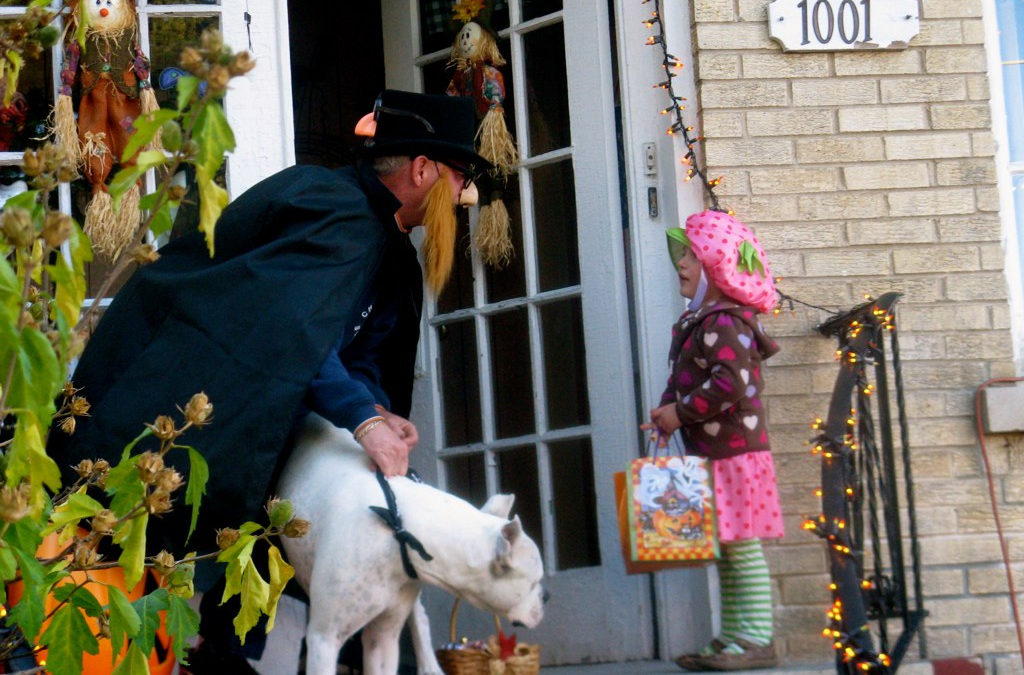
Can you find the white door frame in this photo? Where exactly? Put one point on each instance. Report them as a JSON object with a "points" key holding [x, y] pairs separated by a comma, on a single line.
{"points": [[685, 612]]}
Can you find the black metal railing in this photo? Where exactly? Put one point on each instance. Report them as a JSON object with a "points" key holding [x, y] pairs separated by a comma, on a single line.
{"points": [[875, 567]]}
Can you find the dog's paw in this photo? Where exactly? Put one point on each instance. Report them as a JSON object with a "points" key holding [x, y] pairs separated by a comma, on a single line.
{"points": [[429, 671]]}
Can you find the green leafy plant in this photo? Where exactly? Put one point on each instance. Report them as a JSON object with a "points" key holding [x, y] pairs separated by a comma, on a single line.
{"points": [[43, 259]]}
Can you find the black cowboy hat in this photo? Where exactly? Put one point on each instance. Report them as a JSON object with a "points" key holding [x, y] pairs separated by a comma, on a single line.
{"points": [[440, 127]]}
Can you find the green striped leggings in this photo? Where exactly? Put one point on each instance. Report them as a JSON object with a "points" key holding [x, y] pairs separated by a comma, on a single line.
{"points": [[746, 593]]}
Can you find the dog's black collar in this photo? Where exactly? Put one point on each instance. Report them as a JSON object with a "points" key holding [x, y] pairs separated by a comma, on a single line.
{"points": [[394, 521]]}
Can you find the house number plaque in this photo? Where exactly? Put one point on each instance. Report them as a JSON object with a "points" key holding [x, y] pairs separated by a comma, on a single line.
{"points": [[839, 25]]}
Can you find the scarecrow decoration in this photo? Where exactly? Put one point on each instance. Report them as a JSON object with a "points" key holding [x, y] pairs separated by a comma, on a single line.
{"points": [[112, 74], [476, 58]]}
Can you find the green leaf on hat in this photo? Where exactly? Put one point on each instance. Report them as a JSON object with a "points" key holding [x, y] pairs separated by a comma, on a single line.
{"points": [[749, 260]]}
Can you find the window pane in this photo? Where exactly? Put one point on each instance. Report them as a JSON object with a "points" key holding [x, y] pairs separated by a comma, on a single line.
{"points": [[547, 89], [517, 474], [1018, 202], [572, 480], [513, 388], [555, 213], [565, 370], [23, 122], [437, 29], [1011, 43], [465, 478], [167, 37], [460, 383], [509, 281], [535, 8], [436, 76]]}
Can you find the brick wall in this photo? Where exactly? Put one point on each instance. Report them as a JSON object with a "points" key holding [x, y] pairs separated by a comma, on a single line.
{"points": [[866, 172]]}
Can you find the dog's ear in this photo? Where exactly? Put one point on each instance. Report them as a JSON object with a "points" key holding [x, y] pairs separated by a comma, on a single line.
{"points": [[510, 532], [499, 505]]}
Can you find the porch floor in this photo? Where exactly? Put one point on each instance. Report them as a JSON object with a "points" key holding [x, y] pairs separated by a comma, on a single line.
{"points": [[669, 668]]}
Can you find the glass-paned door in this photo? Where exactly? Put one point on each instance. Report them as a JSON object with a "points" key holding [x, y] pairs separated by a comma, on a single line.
{"points": [[530, 387]]}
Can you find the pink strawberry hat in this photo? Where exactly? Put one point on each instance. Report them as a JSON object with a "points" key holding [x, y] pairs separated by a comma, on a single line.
{"points": [[733, 258]]}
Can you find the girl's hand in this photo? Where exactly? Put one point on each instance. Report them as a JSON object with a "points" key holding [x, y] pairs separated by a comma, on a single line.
{"points": [[666, 420]]}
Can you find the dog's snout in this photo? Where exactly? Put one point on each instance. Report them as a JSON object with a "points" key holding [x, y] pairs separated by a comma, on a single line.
{"points": [[519, 624], [545, 596]]}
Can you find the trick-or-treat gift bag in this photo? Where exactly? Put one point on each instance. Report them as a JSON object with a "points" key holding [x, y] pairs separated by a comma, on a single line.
{"points": [[666, 512]]}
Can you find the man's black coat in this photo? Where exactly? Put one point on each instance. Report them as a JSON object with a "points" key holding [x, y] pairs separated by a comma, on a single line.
{"points": [[299, 257]]}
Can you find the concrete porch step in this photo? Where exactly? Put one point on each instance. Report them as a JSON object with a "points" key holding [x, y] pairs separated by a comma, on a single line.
{"points": [[669, 668]]}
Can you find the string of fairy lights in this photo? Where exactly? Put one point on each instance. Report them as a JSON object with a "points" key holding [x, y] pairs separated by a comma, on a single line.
{"points": [[851, 639], [669, 64]]}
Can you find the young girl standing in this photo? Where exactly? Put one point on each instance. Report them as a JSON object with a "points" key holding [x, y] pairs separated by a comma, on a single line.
{"points": [[713, 398]]}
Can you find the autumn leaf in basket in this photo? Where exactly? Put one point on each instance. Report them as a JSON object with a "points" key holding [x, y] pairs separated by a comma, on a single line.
{"points": [[507, 645]]}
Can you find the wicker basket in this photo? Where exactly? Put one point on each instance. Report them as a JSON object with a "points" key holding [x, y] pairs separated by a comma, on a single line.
{"points": [[467, 660], [525, 660]]}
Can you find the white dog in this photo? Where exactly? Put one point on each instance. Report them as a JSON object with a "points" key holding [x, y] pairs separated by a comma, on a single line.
{"points": [[350, 562]]}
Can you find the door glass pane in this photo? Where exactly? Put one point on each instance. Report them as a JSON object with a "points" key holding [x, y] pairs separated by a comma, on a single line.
{"points": [[509, 281], [167, 37], [535, 8], [466, 479], [565, 371], [436, 76], [23, 122], [517, 474], [572, 479], [513, 387], [460, 383], [555, 213], [548, 92]]}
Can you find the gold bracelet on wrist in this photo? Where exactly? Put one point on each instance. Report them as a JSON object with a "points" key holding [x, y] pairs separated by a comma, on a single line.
{"points": [[367, 426]]}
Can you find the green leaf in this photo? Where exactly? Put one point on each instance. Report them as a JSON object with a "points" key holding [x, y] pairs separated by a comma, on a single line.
{"points": [[280, 573], [133, 663], [188, 85], [131, 536], [255, 595], [80, 597], [199, 474], [749, 260], [124, 620], [182, 624], [146, 127], [162, 221], [8, 570], [237, 557], [14, 58], [27, 458], [212, 200], [69, 275], [78, 506], [214, 136], [27, 200], [30, 610], [148, 608], [25, 534], [123, 181], [66, 638]]}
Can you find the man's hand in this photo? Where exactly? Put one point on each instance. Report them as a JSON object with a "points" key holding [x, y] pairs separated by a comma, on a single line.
{"points": [[402, 427], [387, 449]]}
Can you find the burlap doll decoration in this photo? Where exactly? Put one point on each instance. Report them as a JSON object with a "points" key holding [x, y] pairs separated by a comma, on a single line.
{"points": [[476, 58], [113, 77]]}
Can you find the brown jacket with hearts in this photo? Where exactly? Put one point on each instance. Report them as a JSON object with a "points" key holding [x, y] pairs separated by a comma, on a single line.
{"points": [[716, 379]]}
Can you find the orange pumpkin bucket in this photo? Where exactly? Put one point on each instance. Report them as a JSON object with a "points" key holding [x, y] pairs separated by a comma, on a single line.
{"points": [[161, 660]]}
